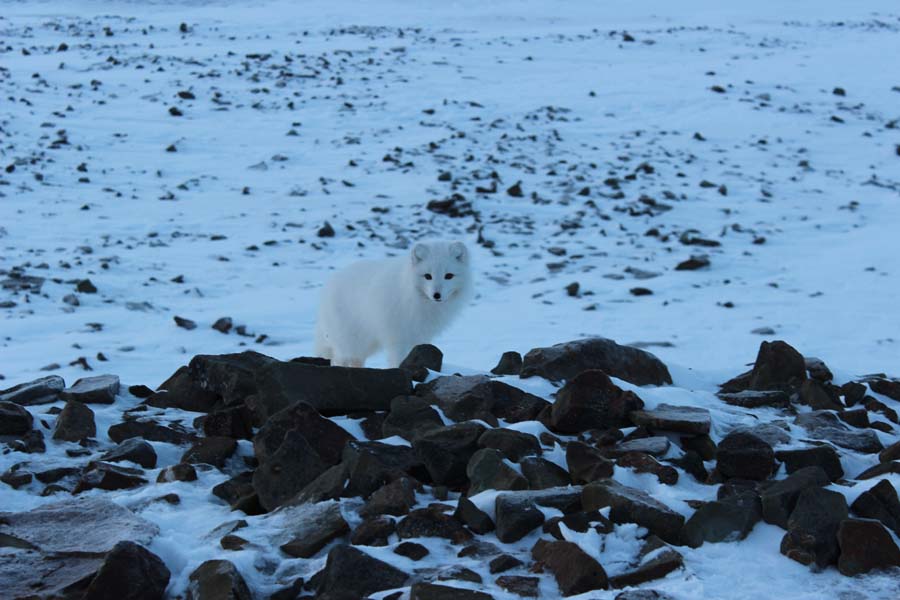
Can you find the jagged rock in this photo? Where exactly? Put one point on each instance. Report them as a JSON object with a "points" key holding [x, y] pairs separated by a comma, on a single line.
{"points": [[853, 392], [410, 417], [74, 423], [858, 417], [744, 456], [39, 391], [394, 498], [236, 422], [780, 498], [514, 445], [421, 359], [101, 389], [565, 361], [817, 369], [692, 463], [703, 445], [542, 474], [825, 425], [370, 465], [679, 419], [885, 387], [134, 450], [473, 517], [351, 573], [213, 451], [880, 502], [575, 571], [150, 431], [177, 472], [479, 397], [325, 437], [129, 572], [317, 525], [106, 476], [329, 485], [656, 560], [590, 400], [654, 445], [286, 472], [215, 580], [731, 518], [411, 550], [488, 471], [433, 591], [865, 546], [777, 366], [510, 364], [579, 521], [520, 585], [15, 477], [373, 531], [630, 505], [879, 470], [234, 489], [819, 397], [517, 513], [502, 563], [431, 522], [644, 463], [182, 391], [813, 525], [814, 456], [230, 378], [446, 452], [587, 464], [14, 420], [757, 398]]}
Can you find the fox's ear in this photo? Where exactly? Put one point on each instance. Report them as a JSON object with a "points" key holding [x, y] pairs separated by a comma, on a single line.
{"points": [[458, 251], [419, 252]]}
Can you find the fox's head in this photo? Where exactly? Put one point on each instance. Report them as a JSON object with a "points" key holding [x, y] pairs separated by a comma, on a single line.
{"points": [[441, 270]]}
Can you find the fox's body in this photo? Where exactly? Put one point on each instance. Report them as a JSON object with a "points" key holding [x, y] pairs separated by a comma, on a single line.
{"points": [[392, 304]]}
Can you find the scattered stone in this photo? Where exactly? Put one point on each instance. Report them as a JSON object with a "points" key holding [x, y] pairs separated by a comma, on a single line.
{"points": [[656, 560], [74, 423], [520, 585], [679, 419], [446, 452], [464, 398], [213, 451], [780, 498], [14, 420], [149, 430], [879, 502], [177, 472], [587, 464], [39, 391], [819, 397], [421, 359], [432, 522], [567, 360], [744, 456], [129, 572], [757, 399], [488, 471], [728, 519], [473, 517], [630, 505], [590, 400], [134, 450], [394, 498], [825, 425], [184, 323], [812, 527], [694, 263], [510, 364], [223, 324], [575, 571], [374, 531], [644, 463], [106, 476], [542, 474], [411, 550], [433, 591], [370, 465], [101, 389], [820, 456], [654, 445], [410, 417], [514, 445], [316, 527], [327, 439], [215, 579], [286, 472], [865, 546], [351, 573]]}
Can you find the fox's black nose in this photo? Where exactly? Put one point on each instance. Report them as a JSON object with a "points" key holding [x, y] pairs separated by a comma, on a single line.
{"points": [[437, 295]]}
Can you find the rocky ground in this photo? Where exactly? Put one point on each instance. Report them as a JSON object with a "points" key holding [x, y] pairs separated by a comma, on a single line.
{"points": [[243, 476]]}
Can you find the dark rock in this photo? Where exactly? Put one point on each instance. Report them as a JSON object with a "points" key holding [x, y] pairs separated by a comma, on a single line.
{"points": [[101, 389], [177, 472], [591, 400], [879, 470], [329, 485], [729, 519], [679, 419], [74, 423], [236, 422], [825, 425], [433, 591], [183, 391], [744, 456], [54, 475], [233, 542], [565, 361], [644, 463], [129, 572], [817, 369], [865, 546], [394, 498], [880, 502], [510, 364], [149, 430], [39, 391], [286, 472], [134, 450], [488, 471], [410, 417], [630, 505], [579, 521], [421, 359], [213, 451], [774, 433], [520, 585], [223, 324], [701, 444], [516, 518], [655, 561], [502, 563], [446, 452], [575, 571], [813, 526], [473, 517], [106, 476], [692, 463], [814, 456], [479, 397], [15, 477], [140, 391], [885, 387], [411, 550], [431, 522], [458, 573], [315, 528], [370, 465], [587, 464], [325, 437], [643, 595], [514, 445], [184, 323], [853, 393], [655, 446], [14, 420], [542, 474], [818, 396], [780, 498], [757, 399], [373, 531], [693, 263], [215, 580], [778, 366], [351, 573], [235, 489]]}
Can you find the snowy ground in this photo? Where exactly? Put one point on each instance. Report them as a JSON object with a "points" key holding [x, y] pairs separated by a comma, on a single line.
{"points": [[348, 112]]}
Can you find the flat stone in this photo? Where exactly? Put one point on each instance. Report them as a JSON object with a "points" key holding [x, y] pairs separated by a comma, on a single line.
{"points": [[101, 389], [630, 505], [780, 498], [565, 361], [39, 391], [575, 571], [320, 524], [825, 425], [679, 419]]}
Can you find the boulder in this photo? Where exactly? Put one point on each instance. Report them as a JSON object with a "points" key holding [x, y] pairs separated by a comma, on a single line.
{"points": [[39, 391], [14, 420], [176, 472], [394, 498], [575, 571], [644, 463], [565, 361], [433, 591], [446, 452], [725, 520], [590, 400], [370, 465], [514, 445], [542, 474], [464, 398], [510, 364], [744, 456], [678, 419], [411, 550], [133, 450], [215, 580], [235, 422], [101, 389], [778, 366], [880, 502], [819, 396], [487, 470], [432, 522], [655, 561], [74, 423], [520, 585], [421, 359], [587, 464], [630, 505], [865, 546], [325, 437], [213, 451], [813, 525], [106, 476], [151, 431], [814, 456], [351, 573], [129, 572], [316, 527], [473, 517], [410, 417], [286, 472], [825, 425], [517, 513], [654, 446], [182, 391], [780, 498], [756, 398]]}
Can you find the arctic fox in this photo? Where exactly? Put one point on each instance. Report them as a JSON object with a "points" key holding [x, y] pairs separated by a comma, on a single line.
{"points": [[392, 304]]}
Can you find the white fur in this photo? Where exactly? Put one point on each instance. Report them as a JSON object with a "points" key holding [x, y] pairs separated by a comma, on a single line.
{"points": [[389, 304]]}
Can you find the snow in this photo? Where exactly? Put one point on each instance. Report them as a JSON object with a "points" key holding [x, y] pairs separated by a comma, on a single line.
{"points": [[499, 72]]}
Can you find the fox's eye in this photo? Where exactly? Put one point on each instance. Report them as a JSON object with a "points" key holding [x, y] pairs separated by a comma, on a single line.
{"points": [[448, 276], [428, 276]]}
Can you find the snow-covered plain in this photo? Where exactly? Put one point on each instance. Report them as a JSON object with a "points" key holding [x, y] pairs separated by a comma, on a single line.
{"points": [[348, 112]]}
